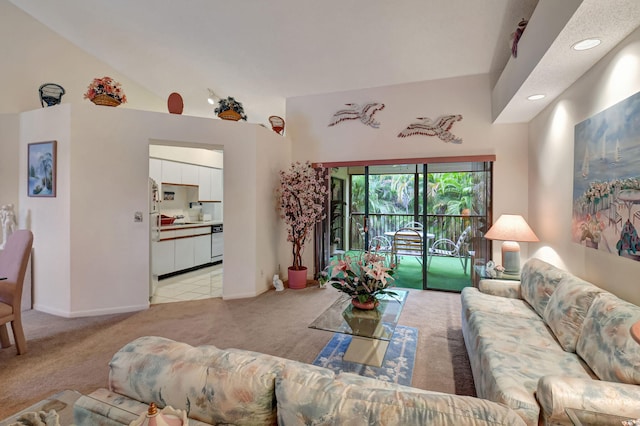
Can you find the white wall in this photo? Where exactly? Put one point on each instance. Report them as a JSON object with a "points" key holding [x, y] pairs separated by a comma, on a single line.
{"points": [[49, 218], [9, 154], [614, 78], [308, 119], [91, 257], [32, 54]]}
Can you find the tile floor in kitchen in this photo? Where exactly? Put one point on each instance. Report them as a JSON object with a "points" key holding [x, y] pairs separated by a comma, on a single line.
{"points": [[204, 283]]}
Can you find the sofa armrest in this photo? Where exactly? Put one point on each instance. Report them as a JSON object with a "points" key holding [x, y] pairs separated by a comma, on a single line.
{"points": [[556, 393], [503, 288]]}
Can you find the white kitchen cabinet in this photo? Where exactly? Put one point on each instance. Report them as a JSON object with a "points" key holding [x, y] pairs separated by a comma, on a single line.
{"points": [[180, 249], [184, 253], [189, 174], [171, 172], [216, 184], [204, 183], [164, 257], [210, 184], [202, 249]]}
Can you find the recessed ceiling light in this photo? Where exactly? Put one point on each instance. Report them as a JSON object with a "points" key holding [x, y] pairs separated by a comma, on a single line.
{"points": [[586, 44], [535, 97]]}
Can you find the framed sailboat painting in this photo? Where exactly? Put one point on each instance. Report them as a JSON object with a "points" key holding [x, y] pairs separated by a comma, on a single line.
{"points": [[606, 180]]}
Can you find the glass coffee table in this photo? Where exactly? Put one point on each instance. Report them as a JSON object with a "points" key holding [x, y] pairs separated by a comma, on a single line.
{"points": [[371, 331]]}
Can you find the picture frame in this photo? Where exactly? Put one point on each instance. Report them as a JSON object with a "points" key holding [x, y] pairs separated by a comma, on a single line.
{"points": [[41, 169]]}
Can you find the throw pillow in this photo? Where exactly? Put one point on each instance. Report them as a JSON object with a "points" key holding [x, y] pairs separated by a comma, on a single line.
{"points": [[566, 310], [605, 342], [539, 280]]}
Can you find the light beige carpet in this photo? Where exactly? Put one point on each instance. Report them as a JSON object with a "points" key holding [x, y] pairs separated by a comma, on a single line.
{"points": [[74, 353]]}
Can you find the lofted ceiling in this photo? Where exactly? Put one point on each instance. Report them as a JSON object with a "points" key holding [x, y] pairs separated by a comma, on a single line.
{"points": [[262, 52]]}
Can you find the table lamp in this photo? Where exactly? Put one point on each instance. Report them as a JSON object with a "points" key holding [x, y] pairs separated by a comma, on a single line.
{"points": [[511, 228]]}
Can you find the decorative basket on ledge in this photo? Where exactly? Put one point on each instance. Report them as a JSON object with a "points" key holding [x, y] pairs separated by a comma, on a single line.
{"points": [[105, 100], [229, 115]]}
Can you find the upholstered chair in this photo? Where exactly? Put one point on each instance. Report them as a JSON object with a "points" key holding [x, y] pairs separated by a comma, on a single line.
{"points": [[13, 265]]}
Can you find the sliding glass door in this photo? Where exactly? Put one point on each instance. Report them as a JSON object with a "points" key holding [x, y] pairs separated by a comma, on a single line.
{"points": [[428, 218]]}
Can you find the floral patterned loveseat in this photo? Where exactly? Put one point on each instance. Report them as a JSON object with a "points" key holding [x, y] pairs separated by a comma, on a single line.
{"points": [[549, 342], [237, 387]]}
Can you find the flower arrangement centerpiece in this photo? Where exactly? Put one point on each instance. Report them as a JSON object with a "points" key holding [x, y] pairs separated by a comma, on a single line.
{"points": [[363, 279], [230, 109], [592, 228], [301, 197], [105, 91]]}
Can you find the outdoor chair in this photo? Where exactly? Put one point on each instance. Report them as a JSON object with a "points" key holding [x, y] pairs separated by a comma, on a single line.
{"points": [[407, 242], [413, 225], [446, 247], [13, 267], [382, 246]]}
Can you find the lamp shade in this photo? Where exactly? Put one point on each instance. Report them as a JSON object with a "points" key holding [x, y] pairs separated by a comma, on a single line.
{"points": [[511, 227]]}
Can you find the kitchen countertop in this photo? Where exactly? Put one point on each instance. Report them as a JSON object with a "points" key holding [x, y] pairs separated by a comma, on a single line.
{"points": [[189, 225]]}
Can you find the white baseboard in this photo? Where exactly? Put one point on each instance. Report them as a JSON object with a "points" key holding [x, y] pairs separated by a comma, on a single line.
{"points": [[242, 295], [90, 313]]}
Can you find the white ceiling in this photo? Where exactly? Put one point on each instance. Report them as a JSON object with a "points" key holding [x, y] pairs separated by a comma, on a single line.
{"points": [[262, 52]]}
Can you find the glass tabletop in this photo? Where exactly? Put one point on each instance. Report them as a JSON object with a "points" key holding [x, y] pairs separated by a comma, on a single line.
{"points": [[378, 323]]}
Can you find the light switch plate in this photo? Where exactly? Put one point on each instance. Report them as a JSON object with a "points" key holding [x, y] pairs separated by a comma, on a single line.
{"points": [[137, 217]]}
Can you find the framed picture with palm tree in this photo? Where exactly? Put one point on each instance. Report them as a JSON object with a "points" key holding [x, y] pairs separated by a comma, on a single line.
{"points": [[41, 169]]}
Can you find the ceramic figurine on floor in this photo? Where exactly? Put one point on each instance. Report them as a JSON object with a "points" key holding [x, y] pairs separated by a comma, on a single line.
{"points": [[277, 283], [8, 219]]}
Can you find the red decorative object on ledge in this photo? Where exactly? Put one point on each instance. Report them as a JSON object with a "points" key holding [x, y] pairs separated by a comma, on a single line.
{"points": [[277, 124], [175, 103]]}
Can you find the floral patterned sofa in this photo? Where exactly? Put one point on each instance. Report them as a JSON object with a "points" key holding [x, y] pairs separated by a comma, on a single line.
{"points": [[231, 386], [549, 342]]}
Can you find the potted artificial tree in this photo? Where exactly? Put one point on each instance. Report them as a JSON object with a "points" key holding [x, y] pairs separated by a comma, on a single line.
{"points": [[301, 202]]}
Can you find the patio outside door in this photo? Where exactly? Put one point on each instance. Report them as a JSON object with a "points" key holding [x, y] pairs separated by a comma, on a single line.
{"points": [[369, 204]]}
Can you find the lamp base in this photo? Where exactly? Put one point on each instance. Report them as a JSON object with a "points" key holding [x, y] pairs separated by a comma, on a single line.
{"points": [[511, 257]]}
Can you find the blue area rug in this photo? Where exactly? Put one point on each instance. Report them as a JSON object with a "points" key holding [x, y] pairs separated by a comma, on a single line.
{"points": [[397, 366]]}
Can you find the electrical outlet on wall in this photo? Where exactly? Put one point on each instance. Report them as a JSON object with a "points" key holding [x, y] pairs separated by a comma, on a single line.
{"points": [[137, 217]]}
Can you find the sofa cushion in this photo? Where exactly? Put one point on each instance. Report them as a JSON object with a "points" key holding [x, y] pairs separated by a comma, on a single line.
{"points": [[605, 343], [212, 385], [508, 372], [538, 281], [474, 300], [567, 308], [312, 399], [531, 331]]}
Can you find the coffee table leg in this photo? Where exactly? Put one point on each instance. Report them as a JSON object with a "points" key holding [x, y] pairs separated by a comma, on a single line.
{"points": [[366, 351]]}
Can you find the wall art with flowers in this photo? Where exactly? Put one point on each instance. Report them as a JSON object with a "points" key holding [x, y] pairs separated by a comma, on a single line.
{"points": [[606, 180]]}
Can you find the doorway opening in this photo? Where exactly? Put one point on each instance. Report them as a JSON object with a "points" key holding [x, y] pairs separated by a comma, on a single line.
{"points": [[428, 217], [186, 238]]}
